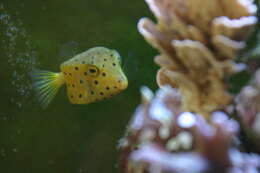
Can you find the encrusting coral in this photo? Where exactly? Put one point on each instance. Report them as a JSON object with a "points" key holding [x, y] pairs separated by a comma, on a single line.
{"points": [[163, 138], [186, 126], [248, 108], [198, 41]]}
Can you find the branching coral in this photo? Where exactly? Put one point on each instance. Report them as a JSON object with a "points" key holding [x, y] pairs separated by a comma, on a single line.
{"points": [[186, 126], [198, 41]]}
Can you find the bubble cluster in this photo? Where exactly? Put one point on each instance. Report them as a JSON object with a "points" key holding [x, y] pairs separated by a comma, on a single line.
{"points": [[18, 57]]}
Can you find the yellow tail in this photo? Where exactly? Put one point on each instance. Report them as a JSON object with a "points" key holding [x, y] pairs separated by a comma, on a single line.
{"points": [[46, 85]]}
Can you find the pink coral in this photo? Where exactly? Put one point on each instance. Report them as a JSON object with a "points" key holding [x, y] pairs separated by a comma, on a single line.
{"points": [[163, 138]]}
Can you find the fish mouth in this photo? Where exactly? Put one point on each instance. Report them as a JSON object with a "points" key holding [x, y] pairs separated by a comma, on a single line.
{"points": [[123, 83]]}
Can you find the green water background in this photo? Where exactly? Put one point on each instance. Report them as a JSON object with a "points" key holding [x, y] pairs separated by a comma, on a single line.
{"points": [[66, 138]]}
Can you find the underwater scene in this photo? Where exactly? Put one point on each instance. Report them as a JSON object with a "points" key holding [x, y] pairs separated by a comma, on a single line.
{"points": [[140, 86], [66, 137]]}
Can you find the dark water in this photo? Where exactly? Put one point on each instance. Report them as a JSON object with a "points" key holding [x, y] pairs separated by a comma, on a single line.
{"points": [[66, 138]]}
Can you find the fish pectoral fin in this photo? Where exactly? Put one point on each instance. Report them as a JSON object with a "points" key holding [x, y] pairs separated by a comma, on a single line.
{"points": [[46, 84]]}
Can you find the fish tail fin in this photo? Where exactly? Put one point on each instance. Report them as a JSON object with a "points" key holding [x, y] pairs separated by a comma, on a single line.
{"points": [[46, 84]]}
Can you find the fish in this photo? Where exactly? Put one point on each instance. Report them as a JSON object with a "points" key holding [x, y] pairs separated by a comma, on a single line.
{"points": [[90, 76]]}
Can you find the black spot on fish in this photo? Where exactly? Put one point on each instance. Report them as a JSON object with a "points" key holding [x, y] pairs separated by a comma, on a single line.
{"points": [[103, 65], [119, 81], [96, 82], [73, 85], [71, 96], [81, 81], [83, 62], [115, 87], [107, 88], [101, 93], [64, 73], [103, 74], [114, 64], [76, 68], [80, 95], [85, 73], [105, 59], [70, 74], [111, 95], [92, 92]]}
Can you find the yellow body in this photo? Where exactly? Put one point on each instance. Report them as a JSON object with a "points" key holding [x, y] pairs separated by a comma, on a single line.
{"points": [[93, 75], [90, 76]]}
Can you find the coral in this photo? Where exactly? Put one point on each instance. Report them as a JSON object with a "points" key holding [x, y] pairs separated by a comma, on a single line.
{"points": [[163, 138], [248, 108], [197, 47], [186, 127]]}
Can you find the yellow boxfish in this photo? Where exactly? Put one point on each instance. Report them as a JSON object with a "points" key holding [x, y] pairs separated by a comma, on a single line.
{"points": [[90, 76]]}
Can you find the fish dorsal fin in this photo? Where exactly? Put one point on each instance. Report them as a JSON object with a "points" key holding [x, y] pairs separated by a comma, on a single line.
{"points": [[68, 50]]}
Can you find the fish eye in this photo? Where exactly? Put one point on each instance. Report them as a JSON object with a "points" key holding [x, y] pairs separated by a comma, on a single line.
{"points": [[92, 70]]}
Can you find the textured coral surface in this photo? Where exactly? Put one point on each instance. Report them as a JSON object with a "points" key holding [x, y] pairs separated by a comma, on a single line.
{"points": [[162, 137], [186, 127], [197, 46]]}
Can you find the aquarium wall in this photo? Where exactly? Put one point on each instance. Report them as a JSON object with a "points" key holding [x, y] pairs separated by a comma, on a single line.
{"points": [[65, 137]]}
